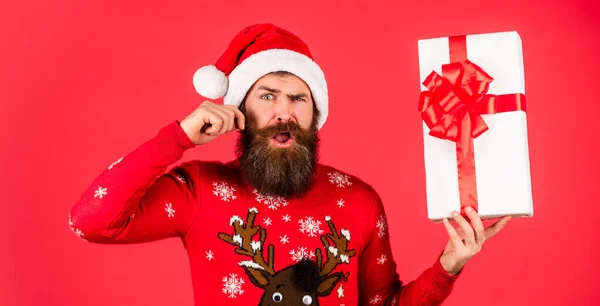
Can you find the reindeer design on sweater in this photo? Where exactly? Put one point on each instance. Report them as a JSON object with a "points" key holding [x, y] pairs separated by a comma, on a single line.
{"points": [[299, 284]]}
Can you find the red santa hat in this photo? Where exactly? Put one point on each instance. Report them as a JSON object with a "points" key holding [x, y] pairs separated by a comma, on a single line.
{"points": [[254, 52]]}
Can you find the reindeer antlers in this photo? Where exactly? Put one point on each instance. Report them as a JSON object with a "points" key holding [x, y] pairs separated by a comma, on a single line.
{"points": [[243, 239], [338, 252]]}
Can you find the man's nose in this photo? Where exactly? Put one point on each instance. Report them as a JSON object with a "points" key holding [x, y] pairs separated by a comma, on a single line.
{"points": [[283, 112]]}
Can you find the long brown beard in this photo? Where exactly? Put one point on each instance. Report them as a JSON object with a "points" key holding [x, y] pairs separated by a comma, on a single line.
{"points": [[285, 172]]}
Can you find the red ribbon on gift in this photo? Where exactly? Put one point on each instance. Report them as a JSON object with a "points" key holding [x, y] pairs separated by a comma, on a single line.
{"points": [[452, 109]]}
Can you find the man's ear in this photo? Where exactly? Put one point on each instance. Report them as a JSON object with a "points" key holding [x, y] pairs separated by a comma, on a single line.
{"points": [[259, 277], [327, 283]]}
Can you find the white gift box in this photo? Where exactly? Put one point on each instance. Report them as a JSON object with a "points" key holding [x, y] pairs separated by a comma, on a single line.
{"points": [[501, 154]]}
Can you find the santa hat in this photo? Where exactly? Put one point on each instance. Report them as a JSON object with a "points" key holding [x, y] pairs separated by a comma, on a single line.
{"points": [[254, 52]]}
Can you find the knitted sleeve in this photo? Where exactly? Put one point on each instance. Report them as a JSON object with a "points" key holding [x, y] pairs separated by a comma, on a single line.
{"points": [[134, 200], [379, 283]]}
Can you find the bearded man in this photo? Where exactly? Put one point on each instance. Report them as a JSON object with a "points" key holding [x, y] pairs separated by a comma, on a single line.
{"points": [[273, 226]]}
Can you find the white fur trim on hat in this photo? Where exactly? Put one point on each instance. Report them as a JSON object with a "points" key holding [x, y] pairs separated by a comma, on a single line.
{"points": [[210, 82], [259, 64]]}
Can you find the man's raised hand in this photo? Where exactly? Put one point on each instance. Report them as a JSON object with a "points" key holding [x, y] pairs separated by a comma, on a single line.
{"points": [[211, 120]]}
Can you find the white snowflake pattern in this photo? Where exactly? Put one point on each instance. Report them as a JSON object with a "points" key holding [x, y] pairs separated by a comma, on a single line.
{"points": [[267, 221], [340, 292], [382, 226], [223, 190], [181, 179], [232, 285], [394, 300], [273, 202], [310, 226], [341, 203], [381, 260], [77, 231], [301, 253], [338, 179], [284, 239], [169, 209], [116, 162], [210, 255], [100, 192], [286, 218], [375, 300]]}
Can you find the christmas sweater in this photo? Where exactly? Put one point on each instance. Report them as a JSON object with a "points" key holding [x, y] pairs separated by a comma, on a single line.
{"points": [[245, 248]]}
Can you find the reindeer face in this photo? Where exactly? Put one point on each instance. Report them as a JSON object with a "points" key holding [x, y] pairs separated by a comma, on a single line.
{"points": [[297, 285]]}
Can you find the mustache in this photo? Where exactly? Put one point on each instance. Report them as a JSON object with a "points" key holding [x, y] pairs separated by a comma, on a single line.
{"points": [[271, 131]]}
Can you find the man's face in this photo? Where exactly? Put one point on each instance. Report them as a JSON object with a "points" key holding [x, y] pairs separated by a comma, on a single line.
{"points": [[280, 98], [278, 148]]}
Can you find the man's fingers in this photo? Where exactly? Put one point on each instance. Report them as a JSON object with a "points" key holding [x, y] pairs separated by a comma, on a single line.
{"points": [[454, 237], [460, 232], [496, 227], [230, 119], [466, 228], [240, 119], [215, 122], [222, 118], [227, 122], [477, 225]]}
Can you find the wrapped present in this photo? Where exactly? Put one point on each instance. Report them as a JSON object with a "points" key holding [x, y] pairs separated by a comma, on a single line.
{"points": [[473, 108]]}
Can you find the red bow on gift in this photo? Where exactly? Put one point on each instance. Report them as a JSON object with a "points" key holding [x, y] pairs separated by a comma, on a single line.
{"points": [[453, 106]]}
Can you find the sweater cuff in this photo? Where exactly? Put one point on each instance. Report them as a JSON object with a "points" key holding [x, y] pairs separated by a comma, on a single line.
{"points": [[171, 142], [442, 282]]}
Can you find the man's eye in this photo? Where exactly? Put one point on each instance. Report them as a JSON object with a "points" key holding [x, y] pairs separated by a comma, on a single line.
{"points": [[268, 97]]}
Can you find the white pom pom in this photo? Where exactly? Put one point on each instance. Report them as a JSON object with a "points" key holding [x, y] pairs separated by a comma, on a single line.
{"points": [[210, 82]]}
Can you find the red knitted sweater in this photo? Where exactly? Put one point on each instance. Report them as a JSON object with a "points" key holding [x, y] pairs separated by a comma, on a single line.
{"points": [[246, 248]]}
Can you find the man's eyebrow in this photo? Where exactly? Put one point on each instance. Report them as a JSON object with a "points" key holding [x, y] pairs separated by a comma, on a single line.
{"points": [[297, 96], [300, 95], [268, 89]]}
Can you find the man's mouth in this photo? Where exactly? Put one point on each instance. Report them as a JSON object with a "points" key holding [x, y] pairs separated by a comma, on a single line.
{"points": [[283, 139]]}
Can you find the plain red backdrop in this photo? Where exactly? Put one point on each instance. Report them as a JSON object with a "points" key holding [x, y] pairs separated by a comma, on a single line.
{"points": [[83, 82]]}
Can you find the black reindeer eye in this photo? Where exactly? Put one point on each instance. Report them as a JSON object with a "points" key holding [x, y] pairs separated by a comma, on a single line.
{"points": [[277, 297], [307, 300]]}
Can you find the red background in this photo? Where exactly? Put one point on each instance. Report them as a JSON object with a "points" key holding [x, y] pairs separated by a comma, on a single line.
{"points": [[82, 82]]}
